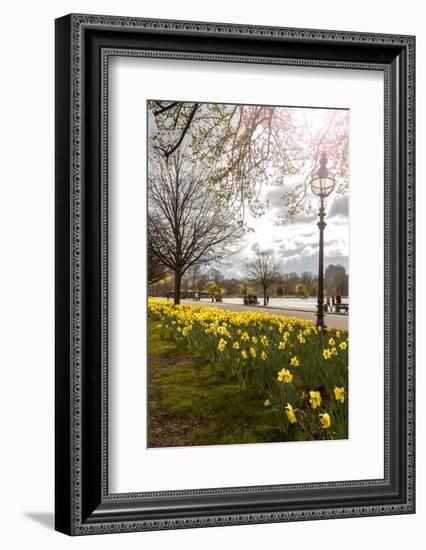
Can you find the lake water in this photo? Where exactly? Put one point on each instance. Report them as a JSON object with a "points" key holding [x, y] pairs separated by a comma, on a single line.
{"points": [[295, 303]]}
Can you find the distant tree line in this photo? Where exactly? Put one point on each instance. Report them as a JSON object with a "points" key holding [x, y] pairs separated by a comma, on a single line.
{"points": [[263, 278]]}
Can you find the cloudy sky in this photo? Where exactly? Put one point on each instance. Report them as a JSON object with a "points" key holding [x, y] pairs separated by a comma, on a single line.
{"points": [[294, 243]]}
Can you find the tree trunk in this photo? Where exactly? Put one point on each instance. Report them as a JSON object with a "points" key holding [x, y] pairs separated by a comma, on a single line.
{"points": [[178, 279], [264, 295]]}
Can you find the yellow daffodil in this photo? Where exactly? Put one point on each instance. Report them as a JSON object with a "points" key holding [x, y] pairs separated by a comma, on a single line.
{"points": [[186, 330], [223, 331], [294, 362], [315, 399], [221, 345], [291, 415], [326, 353], [265, 341], [285, 376], [258, 331], [339, 394], [325, 420]]}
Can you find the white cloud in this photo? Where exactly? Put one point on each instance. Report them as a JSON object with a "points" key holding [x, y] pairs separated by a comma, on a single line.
{"points": [[295, 244]]}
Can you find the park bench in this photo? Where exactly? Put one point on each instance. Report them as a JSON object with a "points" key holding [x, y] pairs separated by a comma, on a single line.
{"points": [[250, 301], [337, 308]]}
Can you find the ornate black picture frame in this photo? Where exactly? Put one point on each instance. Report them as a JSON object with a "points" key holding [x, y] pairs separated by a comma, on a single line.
{"points": [[83, 45]]}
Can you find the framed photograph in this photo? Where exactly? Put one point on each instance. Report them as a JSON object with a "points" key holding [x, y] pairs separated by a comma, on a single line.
{"points": [[234, 274]]}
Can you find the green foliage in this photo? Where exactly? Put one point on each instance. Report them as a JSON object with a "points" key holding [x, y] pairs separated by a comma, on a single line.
{"points": [[245, 289], [213, 289], [198, 405], [301, 290], [299, 372]]}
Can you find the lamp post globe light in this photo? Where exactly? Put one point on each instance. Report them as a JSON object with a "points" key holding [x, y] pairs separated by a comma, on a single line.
{"points": [[322, 184]]}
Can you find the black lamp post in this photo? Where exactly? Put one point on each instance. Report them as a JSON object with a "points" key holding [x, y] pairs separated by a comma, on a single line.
{"points": [[322, 184]]}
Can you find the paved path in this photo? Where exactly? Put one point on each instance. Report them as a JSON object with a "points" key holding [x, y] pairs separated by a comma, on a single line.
{"points": [[337, 321]]}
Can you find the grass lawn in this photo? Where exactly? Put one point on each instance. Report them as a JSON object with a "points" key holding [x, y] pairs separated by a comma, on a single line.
{"points": [[190, 402]]}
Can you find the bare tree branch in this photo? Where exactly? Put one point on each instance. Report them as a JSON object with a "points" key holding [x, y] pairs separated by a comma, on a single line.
{"points": [[264, 270], [185, 226]]}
